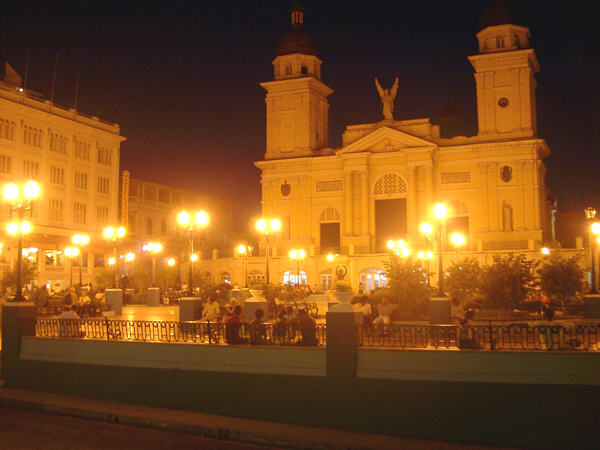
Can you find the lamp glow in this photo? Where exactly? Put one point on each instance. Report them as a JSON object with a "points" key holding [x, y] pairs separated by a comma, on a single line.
{"points": [[241, 249], [301, 254], [275, 225], [129, 257], [108, 233], [390, 244], [12, 228], [293, 254], [421, 255], [595, 228], [330, 257], [193, 257], [11, 192], [439, 211], [405, 252], [545, 251], [458, 239], [25, 227], [426, 228], [111, 261], [202, 218], [31, 189], [183, 218], [261, 225], [171, 262]]}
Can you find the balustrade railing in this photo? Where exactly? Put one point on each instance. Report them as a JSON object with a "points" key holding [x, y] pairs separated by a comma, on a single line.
{"points": [[488, 337], [185, 332]]}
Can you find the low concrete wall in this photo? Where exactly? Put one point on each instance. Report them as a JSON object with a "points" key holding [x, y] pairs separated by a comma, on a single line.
{"points": [[212, 358], [481, 367]]}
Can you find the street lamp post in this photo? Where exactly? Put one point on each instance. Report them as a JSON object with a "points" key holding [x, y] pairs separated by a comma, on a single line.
{"points": [[439, 212], [114, 235], [20, 201], [154, 248], [80, 240], [129, 257], [201, 221], [426, 256], [244, 251], [594, 229], [268, 228], [71, 252], [297, 255]]}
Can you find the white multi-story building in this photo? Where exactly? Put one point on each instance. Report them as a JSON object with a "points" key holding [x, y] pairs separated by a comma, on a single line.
{"points": [[75, 159]]}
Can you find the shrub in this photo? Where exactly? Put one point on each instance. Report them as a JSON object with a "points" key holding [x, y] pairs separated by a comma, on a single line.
{"points": [[407, 286], [506, 283], [464, 279], [561, 279]]}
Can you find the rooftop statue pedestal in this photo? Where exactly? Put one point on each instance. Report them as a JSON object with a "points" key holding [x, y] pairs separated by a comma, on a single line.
{"points": [[153, 296], [189, 308], [257, 301], [114, 300]]}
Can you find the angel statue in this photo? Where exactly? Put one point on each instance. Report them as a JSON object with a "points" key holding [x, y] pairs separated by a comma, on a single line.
{"points": [[387, 98]]}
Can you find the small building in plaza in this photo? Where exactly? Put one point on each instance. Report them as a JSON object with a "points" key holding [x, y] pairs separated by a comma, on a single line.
{"points": [[75, 159]]}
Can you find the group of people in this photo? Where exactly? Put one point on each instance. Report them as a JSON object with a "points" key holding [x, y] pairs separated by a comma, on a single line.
{"points": [[381, 315], [290, 327], [88, 304]]}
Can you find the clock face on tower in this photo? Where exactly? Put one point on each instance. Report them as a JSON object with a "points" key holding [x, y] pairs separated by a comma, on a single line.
{"points": [[503, 102]]}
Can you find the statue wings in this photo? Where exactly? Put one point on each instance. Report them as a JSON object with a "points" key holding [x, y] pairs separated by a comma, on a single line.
{"points": [[379, 88], [394, 89]]}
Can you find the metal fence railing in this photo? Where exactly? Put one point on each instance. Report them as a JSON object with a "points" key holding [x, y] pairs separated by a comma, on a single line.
{"points": [[505, 315], [490, 337], [189, 332]]}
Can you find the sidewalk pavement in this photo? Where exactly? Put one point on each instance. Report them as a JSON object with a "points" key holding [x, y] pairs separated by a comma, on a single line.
{"points": [[212, 426]]}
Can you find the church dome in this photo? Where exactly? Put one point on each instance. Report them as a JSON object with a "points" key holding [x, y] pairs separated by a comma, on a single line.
{"points": [[500, 12], [297, 40]]}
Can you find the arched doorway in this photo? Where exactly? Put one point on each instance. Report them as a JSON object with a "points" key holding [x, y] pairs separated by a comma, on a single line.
{"points": [[294, 278], [372, 278], [390, 209], [329, 230]]}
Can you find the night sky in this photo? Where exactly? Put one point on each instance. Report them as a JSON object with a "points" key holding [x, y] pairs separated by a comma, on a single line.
{"points": [[181, 78]]}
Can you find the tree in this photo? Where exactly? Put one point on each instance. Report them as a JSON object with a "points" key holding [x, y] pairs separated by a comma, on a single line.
{"points": [[506, 283], [9, 278], [407, 286], [464, 279], [561, 278]]}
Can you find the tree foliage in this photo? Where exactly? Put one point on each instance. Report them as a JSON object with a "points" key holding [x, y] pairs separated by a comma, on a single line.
{"points": [[561, 279], [9, 278], [506, 283], [464, 279], [407, 286]]}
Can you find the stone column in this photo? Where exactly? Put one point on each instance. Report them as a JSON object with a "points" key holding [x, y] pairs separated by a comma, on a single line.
{"points": [[519, 208], [364, 203], [429, 188], [411, 201], [348, 203], [12, 314], [483, 189], [494, 208]]}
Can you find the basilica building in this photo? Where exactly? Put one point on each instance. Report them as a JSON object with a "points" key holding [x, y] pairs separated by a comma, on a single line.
{"points": [[385, 179]]}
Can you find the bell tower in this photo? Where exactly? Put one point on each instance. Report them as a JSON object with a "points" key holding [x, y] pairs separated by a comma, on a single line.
{"points": [[297, 107], [505, 71]]}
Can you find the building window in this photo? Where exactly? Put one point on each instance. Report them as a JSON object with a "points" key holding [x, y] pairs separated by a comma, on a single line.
{"points": [[98, 260], [517, 41], [57, 175], [5, 164], [81, 180], [303, 70], [131, 222], [7, 129], [371, 279], [103, 185], [79, 213], [82, 149], [32, 136], [288, 70], [55, 210], [104, 156], [294, 278], [31, 169], [499, 41], [102, 215], [58, 143]]}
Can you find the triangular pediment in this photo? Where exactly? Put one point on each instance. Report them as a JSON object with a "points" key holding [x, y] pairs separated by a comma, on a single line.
{"points": [[384, 140]]}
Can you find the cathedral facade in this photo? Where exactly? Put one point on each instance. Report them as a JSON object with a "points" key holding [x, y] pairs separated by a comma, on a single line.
{"points": [[385, 179]]}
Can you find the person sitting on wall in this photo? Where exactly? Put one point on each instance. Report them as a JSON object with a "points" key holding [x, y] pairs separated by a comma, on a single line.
{"points": [[232, 327], [67, 326], [230, 308], [258, 331], [211, 311], [365, 309], [308, 329]]}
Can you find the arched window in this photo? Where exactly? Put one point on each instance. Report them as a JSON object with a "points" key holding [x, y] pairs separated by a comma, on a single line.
{"points": [[303, 69], [499, 41], [329, 215], [256, 277], [390, 183], [149, 227], [207, 277], [292, 277], [326, 279], [372, 278], [225, 277]]}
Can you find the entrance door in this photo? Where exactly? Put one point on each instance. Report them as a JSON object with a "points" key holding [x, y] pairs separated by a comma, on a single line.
{"points": [[390, 221], [330, 237]]}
